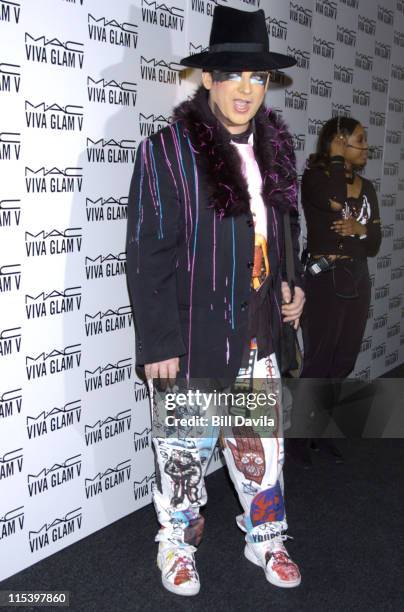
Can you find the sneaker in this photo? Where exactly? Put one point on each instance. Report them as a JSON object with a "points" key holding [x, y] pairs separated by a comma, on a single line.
{"points": [[178, 571], [273, 557]]}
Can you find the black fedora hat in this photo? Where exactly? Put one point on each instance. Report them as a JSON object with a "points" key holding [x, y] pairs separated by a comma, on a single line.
{"points": [[238, 41]]}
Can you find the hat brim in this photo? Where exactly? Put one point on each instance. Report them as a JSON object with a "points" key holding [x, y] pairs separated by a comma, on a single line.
{"points": [[239, 61]]}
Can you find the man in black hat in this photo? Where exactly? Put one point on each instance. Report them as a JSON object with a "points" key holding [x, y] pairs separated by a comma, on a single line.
{"points": [[206, 273]]}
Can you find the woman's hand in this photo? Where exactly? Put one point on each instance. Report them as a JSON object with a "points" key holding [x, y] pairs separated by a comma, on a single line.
{"points": [[338, 145], [349, 227], [335, 206]]}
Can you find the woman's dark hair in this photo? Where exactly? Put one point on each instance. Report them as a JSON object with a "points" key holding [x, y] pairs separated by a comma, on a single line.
{"points": [[346, 126]]}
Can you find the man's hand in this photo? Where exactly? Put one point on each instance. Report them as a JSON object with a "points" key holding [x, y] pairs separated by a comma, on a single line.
{"points": [[349, 227], [165, 370], [292, 309]]}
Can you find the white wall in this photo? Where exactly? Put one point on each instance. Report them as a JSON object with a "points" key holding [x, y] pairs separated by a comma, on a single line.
{"points": [[80, 84]]}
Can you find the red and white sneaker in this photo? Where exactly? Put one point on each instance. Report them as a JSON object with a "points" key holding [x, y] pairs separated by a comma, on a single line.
{"points": [[178, 571], [273, 557]]}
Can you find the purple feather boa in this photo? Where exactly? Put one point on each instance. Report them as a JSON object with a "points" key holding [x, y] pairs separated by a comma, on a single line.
{"points": [[220, 163]]}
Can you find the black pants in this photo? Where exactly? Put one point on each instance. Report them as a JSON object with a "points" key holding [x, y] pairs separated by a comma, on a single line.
{"points": [[334, 319], [333, 323]]}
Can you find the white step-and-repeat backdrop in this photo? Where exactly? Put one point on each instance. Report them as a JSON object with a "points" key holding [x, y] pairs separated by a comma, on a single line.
{"points": [[81, 83]]}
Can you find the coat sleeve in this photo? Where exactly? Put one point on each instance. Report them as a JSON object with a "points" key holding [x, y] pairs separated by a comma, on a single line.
{"points": [[291, 191], [151, 247], [295, 230], [319, 188], [373, 227]]}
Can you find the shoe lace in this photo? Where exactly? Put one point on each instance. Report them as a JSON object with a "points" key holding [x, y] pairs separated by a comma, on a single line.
{"points": [[187, 549], [183, 550], [184, 560], [277, 534]]}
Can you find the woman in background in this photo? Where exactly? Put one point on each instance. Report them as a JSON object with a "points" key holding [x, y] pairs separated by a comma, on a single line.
{"points": [[343, 229]]}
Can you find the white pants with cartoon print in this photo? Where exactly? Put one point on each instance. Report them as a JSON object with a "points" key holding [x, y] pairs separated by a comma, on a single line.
{"points": [[254, 458]]}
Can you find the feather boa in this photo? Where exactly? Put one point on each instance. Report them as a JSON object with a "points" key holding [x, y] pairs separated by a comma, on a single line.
{"points": [[220, 162]]}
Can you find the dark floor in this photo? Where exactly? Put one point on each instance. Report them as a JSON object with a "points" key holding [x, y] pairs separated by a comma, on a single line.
{"points": [[347, 524]]}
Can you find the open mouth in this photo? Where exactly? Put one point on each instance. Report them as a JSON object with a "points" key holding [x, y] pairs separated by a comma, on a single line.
{"points": [[241, 106]]}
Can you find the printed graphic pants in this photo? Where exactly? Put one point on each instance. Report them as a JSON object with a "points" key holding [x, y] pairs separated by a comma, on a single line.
{"points": [[254, 459]]}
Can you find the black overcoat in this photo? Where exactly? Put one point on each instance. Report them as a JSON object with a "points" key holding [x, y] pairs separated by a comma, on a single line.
{"points": [[190, 240]]}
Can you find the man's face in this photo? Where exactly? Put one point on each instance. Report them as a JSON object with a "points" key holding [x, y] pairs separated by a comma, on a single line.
{"points": [[235, 97]]}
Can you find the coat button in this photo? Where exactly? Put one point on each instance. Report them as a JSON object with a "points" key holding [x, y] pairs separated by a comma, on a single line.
{"points": [[250, 264], [244, 305]]}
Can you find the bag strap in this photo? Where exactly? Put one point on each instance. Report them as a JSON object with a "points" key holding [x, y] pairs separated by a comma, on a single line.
{"points": [[290, 264]]}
